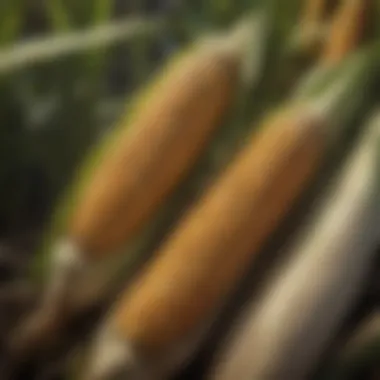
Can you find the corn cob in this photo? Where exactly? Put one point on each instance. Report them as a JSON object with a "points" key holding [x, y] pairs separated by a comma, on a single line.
{"points": [[346, 32], [134, 171], [343, 34], [117, 200], [115, 205], [175, 295], [341, 44], [283, 335]]}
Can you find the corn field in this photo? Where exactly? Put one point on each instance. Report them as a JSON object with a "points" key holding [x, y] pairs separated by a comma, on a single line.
{"points": [[189, 189]]}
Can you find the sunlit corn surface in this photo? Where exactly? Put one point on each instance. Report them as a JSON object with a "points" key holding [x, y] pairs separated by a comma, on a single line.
{"points": [[177, 279]]}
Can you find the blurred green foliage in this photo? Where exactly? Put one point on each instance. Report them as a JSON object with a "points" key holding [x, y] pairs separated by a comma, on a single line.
{"points": [[53, 111]]}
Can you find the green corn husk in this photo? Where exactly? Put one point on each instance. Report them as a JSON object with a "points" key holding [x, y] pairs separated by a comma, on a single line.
{"points": [[351, 85], [321, 75]]}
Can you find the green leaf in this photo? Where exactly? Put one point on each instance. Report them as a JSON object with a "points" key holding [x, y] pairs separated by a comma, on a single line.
{"points": [[11, 17], [58, 16]]}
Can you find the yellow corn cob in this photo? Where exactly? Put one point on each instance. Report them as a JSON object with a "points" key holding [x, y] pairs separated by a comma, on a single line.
{"points": [[238, 214], [346, 30], [145, 164]]}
